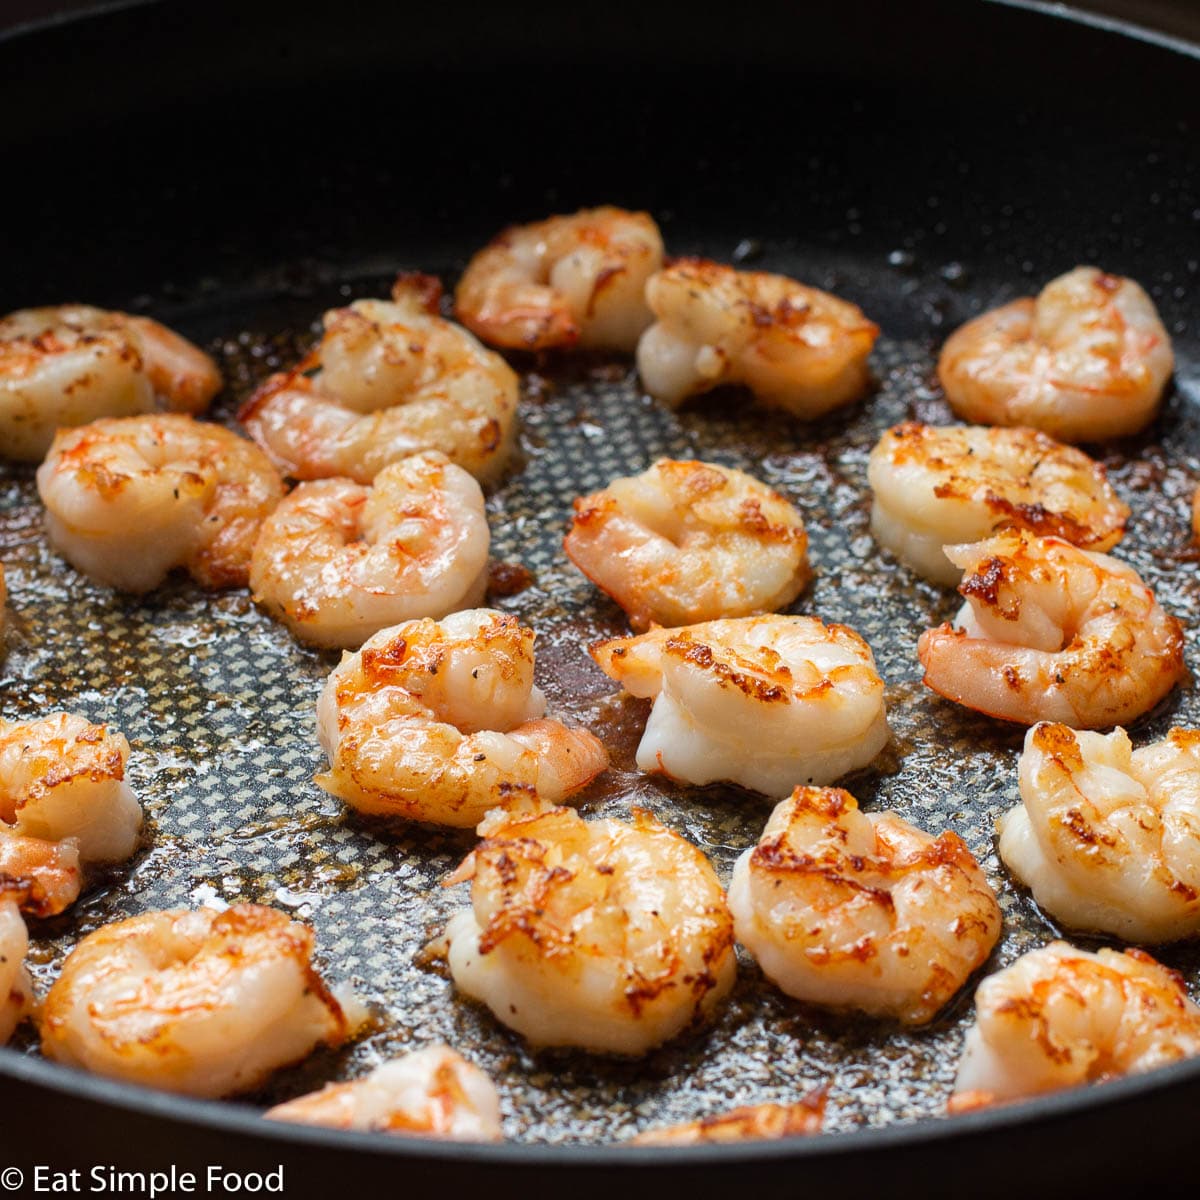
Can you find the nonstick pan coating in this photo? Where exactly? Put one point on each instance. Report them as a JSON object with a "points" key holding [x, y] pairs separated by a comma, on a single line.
{"points": [[925, 168]]}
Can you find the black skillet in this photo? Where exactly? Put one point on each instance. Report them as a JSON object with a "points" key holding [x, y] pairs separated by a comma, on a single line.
{"points": [[933, 158]]}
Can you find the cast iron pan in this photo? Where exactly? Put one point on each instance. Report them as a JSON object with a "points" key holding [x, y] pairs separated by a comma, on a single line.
{"points": [[234, 172]]}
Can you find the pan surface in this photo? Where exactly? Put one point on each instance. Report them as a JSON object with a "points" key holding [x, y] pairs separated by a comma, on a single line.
{"points": [[906, 171]]}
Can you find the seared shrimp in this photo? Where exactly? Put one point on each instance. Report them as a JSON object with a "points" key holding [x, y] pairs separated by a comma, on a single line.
{"points": [[766, 702], [689, 541], [934, 487], [203, 1003], [430, 1093], [1052, 633], [1086, 361], [62, 777], [45, 873], [16, 988], [1059, 1017], [441, 721], [606, 935], [576, 280], [337, 561], [36, 877], [389, 379], [862, 910], [750, 1123], [130, 499], [796, 348], [1106, 837], [72, 364]]}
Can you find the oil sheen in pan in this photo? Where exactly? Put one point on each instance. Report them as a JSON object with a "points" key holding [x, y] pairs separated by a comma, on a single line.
{"points": [[218, 703]]}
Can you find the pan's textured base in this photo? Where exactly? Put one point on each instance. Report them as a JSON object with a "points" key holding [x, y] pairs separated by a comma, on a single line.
{"points": [[218, 704]]}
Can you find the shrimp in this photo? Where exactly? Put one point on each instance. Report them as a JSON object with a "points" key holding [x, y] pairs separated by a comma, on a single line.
{"points": [[576, 280], [935, 487], [749, 1123], [337, 562], [428, 1093], [62, 777], [796, 348], [47, 873], [1052, 633], [441, 721], [130, 499], [608, 935], [1195, 519], [1059, 1017], [764, 702], [1086, 361], [862, 910], [1106, 837], [37, 877], [389, 379], [689, 541], [201, 1002], [71, 364], [16, 987]]}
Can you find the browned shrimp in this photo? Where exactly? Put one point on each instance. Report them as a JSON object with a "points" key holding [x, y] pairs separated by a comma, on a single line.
{"points": [[1059, 1017], [937, 487], [1087, 360], [432, 1093], [71, 364], [1050, 632], [576, 280], [389, 379], [690, 541], [609, 935], [130, 499], [750, 1123], [862, 910], [795, 347], [202, 1002]]}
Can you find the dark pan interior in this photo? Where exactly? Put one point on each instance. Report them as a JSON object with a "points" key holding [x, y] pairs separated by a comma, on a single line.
{"points": [[925, 163]]}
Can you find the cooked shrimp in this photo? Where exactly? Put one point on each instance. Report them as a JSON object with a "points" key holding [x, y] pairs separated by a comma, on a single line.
{"points": [[72, 364], [1195, 516], [1052, 633], [765, 702], [441, 721], [16, 988], [606, 935], [1106, 837], [429, 1093], [46, 873], [389, 379], [203, 1003], [337, 561], [935, 487], [576, 280], [1059, 1017], [1086, 361], [750, 1123], [689, 541], [796, 348], [62, 777], [129, 499], [862, 910]]}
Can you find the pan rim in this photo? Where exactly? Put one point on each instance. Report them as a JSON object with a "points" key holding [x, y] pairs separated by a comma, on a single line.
{"points": [[1050, 9], [232, 1116], [239, 1118]]}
